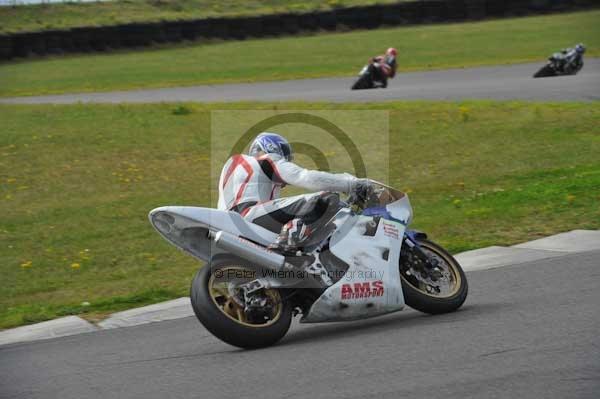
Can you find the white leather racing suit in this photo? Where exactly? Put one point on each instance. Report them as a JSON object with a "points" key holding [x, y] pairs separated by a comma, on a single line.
{"points": [[251, 186]]}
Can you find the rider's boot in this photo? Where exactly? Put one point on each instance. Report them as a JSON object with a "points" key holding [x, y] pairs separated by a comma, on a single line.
{"points": [[292, 235], [307, 231]]}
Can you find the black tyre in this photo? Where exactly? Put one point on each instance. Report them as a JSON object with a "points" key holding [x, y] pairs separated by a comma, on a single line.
{"points": [[577, 69], [422, 296], [363, 82], [220, 312], [544, 72]]}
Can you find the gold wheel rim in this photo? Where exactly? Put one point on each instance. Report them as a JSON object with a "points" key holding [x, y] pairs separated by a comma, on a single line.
{"points": [[224, 300], [452, 269]]}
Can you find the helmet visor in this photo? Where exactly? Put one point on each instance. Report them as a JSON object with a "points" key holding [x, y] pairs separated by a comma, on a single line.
{"points": [[286, 150]]}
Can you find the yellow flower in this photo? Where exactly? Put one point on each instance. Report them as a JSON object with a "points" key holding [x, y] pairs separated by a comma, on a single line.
{"points": [[464, 113], [25, 265], [75, 265], [85, 254]]}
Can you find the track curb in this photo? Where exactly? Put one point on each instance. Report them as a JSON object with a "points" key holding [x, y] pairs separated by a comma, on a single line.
{"points": [[562, 244]]}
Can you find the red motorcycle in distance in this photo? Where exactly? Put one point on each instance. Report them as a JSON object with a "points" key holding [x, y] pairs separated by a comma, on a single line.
{"points": [[369, 77], [377, 72]]}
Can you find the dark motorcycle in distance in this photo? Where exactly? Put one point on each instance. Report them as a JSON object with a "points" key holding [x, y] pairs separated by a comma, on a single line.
{"points": [[368, 77], [565, 62]]}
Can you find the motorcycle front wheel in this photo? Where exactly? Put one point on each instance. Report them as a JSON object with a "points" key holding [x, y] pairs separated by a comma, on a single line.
{"points": [[443, 295], [220, 306], [363, 82], [544, 72]]}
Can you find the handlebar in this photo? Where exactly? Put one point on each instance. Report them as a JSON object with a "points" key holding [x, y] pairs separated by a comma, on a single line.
{"points": [[377, 194]]}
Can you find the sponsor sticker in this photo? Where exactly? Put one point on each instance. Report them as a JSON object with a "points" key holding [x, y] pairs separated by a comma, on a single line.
{"points": [[368, 289], [390, 230]]}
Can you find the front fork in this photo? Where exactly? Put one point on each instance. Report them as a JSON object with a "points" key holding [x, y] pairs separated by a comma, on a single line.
{"points": [[410, 240]]}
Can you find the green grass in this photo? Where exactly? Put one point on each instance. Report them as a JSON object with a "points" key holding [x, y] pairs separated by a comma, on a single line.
{"points": [[421, 48], [69, 15], [77, 181]]}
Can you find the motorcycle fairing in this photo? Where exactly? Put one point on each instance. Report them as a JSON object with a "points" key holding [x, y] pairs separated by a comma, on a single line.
{"points": [[373, 262], [187, 228]]}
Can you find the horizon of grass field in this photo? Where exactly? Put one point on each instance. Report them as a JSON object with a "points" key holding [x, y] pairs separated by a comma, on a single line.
{"points": [[333, 54], [78, 181]]}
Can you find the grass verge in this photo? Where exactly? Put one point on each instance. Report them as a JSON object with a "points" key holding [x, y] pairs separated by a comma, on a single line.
{"points": [[421, 48], [39, 17], [77, 181]]}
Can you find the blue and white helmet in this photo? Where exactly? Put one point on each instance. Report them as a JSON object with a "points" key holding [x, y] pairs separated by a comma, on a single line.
{"points": [[271, 143]]}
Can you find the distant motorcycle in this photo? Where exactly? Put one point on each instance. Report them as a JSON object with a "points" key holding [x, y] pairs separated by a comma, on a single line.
{"points": [[368, 77], [565, 62]]}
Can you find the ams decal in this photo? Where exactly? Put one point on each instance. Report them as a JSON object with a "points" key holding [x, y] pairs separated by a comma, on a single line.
{"points": [[367, 289]]}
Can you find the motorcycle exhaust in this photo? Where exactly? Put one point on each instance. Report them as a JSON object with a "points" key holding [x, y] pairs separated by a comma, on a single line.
{"points": [[248, 250]]}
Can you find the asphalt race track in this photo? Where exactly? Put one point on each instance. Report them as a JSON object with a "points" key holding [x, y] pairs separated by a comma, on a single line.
{"points": [[527, 331], [513, 82]]}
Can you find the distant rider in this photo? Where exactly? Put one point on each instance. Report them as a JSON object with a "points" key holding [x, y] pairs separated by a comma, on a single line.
{"points": [[386, 65], [571, 59], [250, 185]]}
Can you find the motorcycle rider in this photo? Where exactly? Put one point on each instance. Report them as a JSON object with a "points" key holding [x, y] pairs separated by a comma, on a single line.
{"points": [[250, 185], [571, 59], [386, 65]]}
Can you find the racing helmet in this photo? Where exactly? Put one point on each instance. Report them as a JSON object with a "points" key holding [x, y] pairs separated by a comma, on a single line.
{"points": [[391, 52], [580, 48], [271, 143], [390, 56]]}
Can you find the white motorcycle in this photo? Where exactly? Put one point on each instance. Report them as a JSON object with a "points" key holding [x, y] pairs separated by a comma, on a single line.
{"points": [[366, 263]]}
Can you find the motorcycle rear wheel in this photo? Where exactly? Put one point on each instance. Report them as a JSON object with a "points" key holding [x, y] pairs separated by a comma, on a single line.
{"points": [[219, 310], [416, 294]]}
